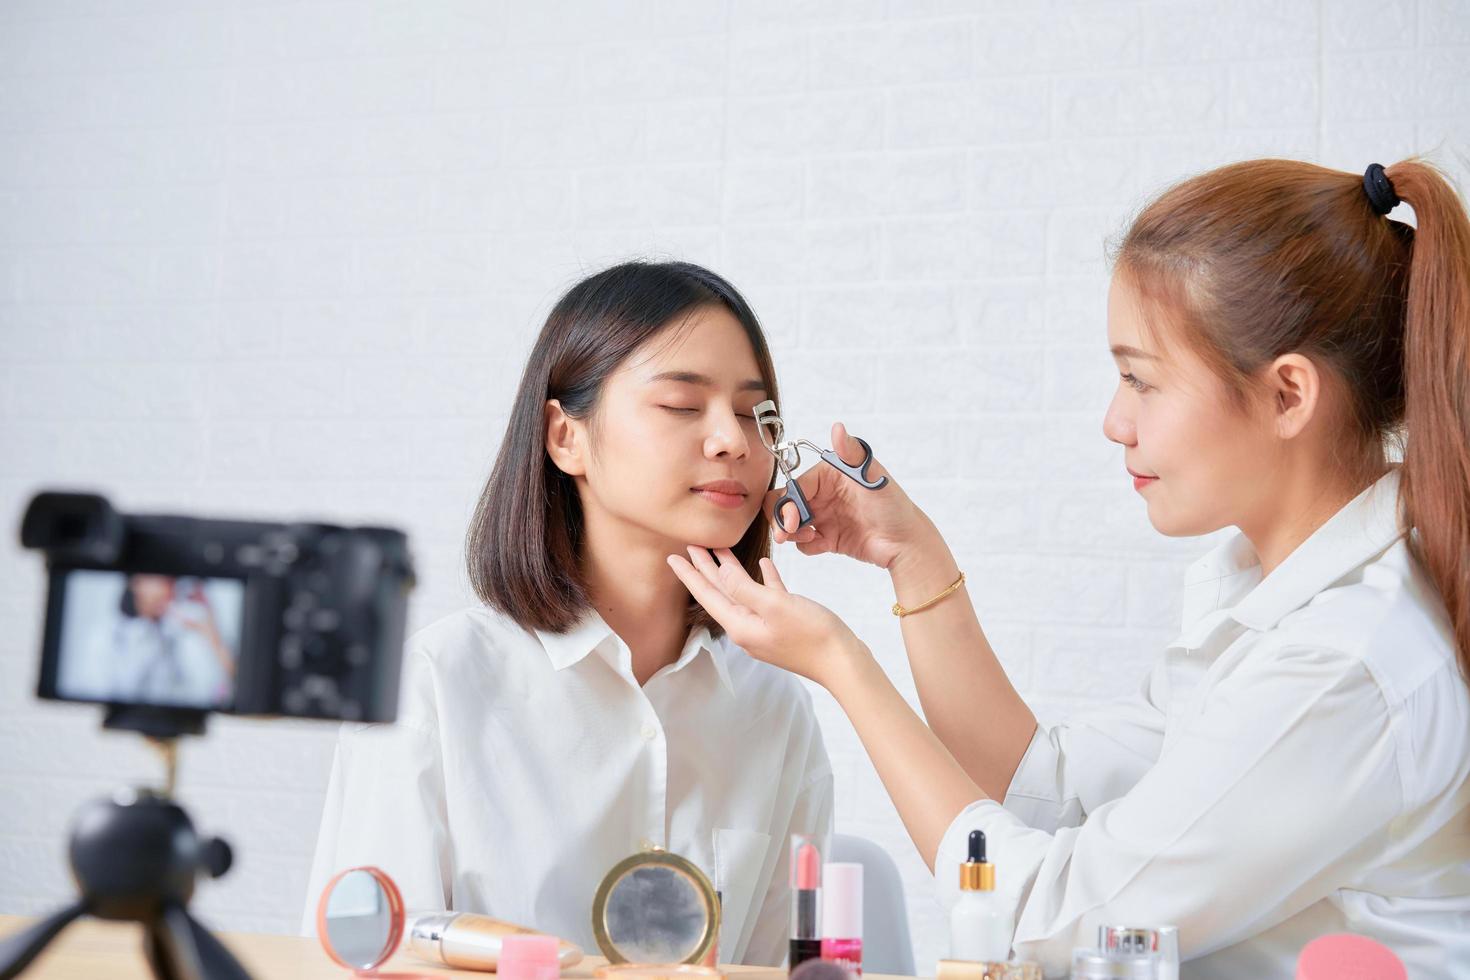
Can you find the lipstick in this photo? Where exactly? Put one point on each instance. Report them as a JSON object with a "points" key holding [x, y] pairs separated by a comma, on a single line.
{"points": [[806, 899]]}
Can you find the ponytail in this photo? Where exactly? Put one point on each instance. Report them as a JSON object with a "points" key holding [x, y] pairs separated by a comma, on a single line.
{"points": [[1435, 482]]}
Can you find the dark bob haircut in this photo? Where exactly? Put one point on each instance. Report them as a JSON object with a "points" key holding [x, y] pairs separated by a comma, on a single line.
{"points": [[523, 548]]}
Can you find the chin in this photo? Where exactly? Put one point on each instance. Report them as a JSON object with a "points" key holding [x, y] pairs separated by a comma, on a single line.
{"points": [[712, 538], [714, 532], [1180, 525]]}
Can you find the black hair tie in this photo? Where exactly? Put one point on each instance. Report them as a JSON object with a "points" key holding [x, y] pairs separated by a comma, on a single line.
{"points": [[1379, 189]]}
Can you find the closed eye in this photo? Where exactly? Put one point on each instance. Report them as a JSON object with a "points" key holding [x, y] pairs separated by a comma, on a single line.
{"points": [[1134, 383], [678, 410]]}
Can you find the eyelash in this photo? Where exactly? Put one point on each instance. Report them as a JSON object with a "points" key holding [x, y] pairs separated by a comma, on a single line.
{"points": [[1134, 383], [687, 411]]}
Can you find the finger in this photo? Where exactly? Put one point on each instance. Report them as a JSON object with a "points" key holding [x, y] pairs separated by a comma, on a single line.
{"points": [[818, 545], [731, 570], [782, 516], [738, 584], [771, 576], [702, 560], [844, 445], [852, 452], [787, 519], [707, 594]]}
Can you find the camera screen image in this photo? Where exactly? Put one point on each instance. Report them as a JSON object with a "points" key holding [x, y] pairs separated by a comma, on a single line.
{"points": [[149, 639]]}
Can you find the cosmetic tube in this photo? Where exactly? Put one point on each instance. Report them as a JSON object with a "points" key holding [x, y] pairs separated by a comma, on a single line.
{"points": [[469, 941], [842, 916]]}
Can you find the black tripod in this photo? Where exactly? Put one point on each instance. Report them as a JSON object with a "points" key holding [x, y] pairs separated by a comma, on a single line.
{"points": [[135, 857]]}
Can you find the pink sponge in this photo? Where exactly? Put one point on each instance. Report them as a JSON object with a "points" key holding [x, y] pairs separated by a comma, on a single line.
{"points": [[1347, 957]]}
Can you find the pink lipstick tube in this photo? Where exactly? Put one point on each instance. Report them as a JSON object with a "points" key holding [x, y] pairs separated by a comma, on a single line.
{"points": [[806, 898]]}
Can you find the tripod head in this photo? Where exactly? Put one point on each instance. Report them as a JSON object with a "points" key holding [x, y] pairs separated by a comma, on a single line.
{"points": [[138, 850], [136, 857]]}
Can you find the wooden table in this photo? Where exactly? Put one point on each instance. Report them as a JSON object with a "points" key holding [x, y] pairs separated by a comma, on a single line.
{"points": [[90, 949]]}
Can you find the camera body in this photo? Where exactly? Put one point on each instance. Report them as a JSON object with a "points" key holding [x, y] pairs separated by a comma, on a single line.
{"points": [[239, 617]]}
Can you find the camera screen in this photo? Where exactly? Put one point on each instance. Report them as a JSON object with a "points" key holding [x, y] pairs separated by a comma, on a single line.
{"points": [[139, 638]]}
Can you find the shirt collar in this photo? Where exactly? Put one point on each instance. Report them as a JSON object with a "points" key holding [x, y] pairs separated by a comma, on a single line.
{"points": [[585, 636], [592, 634], [1364, 527], [1226, 584]]}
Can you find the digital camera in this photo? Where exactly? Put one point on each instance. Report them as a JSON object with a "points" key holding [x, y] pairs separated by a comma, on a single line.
{"points": [[239, 617]]}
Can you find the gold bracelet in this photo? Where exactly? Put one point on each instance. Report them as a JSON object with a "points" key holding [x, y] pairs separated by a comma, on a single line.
{"points": [[900, 611]]}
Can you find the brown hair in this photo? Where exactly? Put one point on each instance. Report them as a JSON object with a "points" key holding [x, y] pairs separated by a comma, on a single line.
{"points": [[524, 542], [1267, 257]]}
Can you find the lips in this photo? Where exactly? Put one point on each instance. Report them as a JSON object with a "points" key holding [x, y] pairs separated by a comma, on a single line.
{"points": [[723, 493], [732, 487], [1140, 481]]}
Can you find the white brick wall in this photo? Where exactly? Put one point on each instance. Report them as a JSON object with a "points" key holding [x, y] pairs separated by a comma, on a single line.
{"points": [[285, 259]]}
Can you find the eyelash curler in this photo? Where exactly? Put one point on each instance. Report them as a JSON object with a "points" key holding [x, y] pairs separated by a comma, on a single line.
{"points": [[788, 458]]}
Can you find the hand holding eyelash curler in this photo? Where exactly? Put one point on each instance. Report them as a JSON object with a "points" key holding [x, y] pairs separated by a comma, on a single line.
{"points": [[788, 458]]}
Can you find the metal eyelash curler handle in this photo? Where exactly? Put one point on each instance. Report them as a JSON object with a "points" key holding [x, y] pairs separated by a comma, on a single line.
{"points": [[766, 415], [793, 495], [859, 471]]}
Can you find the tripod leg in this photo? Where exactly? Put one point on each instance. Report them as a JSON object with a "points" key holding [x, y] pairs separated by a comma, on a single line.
{"points": [[170, 942], [219, 962], [17, 951]]}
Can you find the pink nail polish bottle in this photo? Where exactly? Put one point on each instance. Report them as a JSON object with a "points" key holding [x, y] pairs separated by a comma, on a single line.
{"points": [[842, 915]]}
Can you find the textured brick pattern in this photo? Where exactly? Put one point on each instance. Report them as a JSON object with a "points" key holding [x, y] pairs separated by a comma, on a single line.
{"points": [[285, 259]]}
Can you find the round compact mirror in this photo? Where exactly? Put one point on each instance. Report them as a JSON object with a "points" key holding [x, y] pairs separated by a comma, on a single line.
{"points": [[359, 919], [656, 907]]}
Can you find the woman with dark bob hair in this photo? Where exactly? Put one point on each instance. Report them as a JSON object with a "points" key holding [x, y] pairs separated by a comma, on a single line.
{"points": [[589, 708]]}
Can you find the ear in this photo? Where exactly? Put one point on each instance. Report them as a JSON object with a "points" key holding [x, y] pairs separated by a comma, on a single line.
{"points": [[566, 440], [1295, 386]]}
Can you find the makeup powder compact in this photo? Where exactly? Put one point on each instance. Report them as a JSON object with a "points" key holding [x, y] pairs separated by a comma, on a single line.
{"points": [[657, 908]]}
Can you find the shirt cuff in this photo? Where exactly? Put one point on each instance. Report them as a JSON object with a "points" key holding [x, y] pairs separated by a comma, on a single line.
{"points": [[1037, 794]]}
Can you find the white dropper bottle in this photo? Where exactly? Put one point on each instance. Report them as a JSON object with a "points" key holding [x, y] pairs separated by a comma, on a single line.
{"points": [[980, 926]]}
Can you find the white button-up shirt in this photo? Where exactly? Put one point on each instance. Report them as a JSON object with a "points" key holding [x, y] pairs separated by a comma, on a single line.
{"points": [[524, 765], [1298, 763]]}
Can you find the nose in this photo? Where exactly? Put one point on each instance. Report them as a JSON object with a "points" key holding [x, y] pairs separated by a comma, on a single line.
{"points": [[727, 437], [1118, 424]]}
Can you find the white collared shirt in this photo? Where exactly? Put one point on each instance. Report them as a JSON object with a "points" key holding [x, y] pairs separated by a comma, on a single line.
{"points": [[524, 765], [1298, 763]]}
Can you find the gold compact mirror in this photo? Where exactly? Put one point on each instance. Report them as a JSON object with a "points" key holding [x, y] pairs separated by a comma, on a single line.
{"points": [[656, 908]]}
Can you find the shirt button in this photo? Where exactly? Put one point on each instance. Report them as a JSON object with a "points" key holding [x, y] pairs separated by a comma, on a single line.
{"points": [[649, 733]]}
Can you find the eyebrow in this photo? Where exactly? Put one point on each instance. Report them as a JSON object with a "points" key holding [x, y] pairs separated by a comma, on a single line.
{"points": [[1123, 350], [704, 380]]}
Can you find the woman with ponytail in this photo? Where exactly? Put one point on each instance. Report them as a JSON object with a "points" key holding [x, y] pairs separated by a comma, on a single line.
{"points": [[1295, 364]]}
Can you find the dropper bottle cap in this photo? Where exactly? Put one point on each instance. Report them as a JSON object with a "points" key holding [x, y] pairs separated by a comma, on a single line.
{"points": [[976, 875]]}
